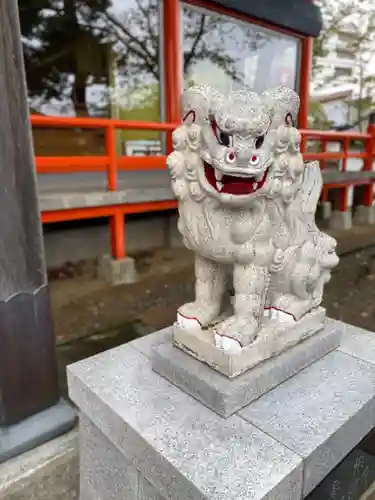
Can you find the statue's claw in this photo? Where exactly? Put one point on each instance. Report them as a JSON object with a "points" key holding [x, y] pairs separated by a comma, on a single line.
{"points": [[189, 324], [243, 331], [198, 314], [227, 344]]}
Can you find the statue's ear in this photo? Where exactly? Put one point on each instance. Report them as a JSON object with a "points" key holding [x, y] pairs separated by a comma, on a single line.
{"points": [[283, 105], [198, 103]]}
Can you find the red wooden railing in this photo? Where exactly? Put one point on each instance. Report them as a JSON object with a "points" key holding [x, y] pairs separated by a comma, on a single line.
{"points": [[112, 164]]}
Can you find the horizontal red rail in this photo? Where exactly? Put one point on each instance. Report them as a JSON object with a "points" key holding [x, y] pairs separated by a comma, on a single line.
{"points": [[83, 122], [111, 163], [71, 164], [333, 136], [340, 155], [70, 214]]}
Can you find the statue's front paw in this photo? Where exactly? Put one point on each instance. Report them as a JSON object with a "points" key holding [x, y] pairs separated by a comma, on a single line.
{"points": [[227, 344], [189, 324], [193, 315], [235, 333]]}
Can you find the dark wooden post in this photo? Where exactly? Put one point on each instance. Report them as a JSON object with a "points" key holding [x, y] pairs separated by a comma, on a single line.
{"points": [[28, 368]]}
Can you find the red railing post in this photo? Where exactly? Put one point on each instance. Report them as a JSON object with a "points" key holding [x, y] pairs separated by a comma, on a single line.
{"points": [[173, 55], [110, 143], [304, 89], [368, 191], [117, 228], [345, 150], [344, 191]]}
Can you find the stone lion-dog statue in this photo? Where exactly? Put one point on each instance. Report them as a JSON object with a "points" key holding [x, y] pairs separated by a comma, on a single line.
{"points": [[247, 205]]}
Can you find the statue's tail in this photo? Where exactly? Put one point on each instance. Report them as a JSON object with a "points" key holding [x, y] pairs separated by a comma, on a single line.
{"points": [[311, 187]]}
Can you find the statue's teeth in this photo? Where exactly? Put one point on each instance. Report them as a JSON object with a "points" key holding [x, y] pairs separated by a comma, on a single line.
{"points": [[258, 176], [218, 175], [219, 185]]}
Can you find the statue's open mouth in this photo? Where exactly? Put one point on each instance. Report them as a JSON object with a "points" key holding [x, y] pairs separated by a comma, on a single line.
{"points": [[231, 184]]}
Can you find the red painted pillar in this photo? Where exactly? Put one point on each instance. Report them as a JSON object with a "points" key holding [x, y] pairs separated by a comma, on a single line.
{"points": [[305, 78], [368, 191], [172, 62]]}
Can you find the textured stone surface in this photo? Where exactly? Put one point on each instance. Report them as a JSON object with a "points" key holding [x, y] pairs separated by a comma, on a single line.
{"points": [[341, 221], [117, 272], [49, 472], [358, 343], [321, 413], [364, 215], [273, 338], [226, 396], [146, 491], [105, 474], [147, 343], [95, 198], [370, 493], [183, 449], [36, 430], [326, 208]]}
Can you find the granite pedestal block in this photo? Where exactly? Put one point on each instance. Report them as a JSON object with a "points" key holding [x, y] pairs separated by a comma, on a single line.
{"points": [[141, 432], [226, 396], [274, 338]]}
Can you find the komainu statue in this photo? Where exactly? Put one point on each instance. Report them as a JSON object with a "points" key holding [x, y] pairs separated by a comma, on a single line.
{"points": [[247, 205]]}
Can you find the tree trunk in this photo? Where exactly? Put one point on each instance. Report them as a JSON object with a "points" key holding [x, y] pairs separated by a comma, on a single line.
{"points": [[79, 95]]}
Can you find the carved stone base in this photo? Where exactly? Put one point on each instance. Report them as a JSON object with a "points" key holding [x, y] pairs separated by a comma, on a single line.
{"points": [[226, 396], [36, 430], [273, 338]]}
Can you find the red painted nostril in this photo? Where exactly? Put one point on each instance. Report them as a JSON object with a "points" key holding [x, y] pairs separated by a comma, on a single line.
{"points": [[231, 157], [254, 160]]}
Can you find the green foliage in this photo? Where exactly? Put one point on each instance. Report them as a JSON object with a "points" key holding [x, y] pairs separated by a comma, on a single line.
{"points": [[71, 44], [317, 117], [59, 40], [356, 21]]}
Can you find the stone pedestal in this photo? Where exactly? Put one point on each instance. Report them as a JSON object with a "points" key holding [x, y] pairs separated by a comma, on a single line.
{"points": [[226, 396], [326, 210], [341, 221], [274, 338], [143, 437], [117, 272], [364, 215]]}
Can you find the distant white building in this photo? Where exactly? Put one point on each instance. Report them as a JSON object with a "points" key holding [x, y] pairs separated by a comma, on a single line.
{"points": [[339, 66], [336, 85], [337, 103]]}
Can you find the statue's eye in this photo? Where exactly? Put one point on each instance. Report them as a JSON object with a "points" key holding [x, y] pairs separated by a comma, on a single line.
{"points": [[259, 141], [225, 139]]}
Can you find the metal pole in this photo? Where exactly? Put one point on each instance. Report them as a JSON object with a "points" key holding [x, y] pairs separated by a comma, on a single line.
{"points": [[30, 408]]}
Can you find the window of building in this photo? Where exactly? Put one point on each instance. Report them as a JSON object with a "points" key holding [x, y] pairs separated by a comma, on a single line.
{"points": [[228, 53], [343, 72], [92, 59], [345, 53]]}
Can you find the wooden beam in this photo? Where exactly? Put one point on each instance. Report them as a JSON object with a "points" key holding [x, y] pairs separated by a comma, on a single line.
{"points": [[28, 368]]}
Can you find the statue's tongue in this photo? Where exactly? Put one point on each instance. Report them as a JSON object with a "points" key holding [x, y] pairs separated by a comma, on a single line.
{"points": [[231, 184], [238, 185]]}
